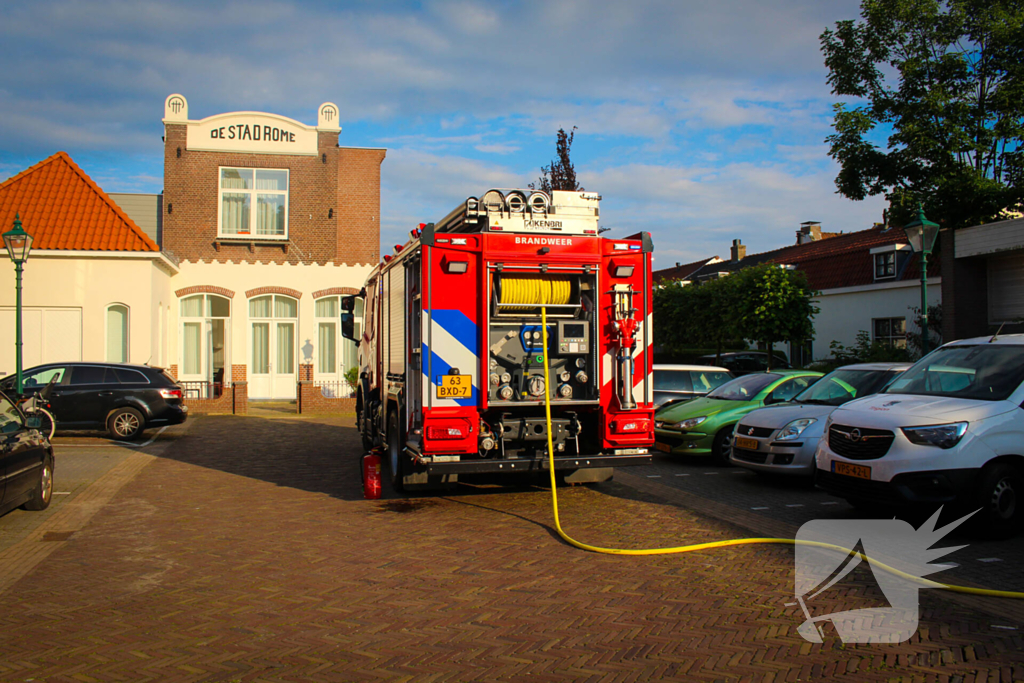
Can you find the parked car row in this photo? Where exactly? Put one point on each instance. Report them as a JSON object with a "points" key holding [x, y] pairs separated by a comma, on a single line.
{"points": [[947, 430]]}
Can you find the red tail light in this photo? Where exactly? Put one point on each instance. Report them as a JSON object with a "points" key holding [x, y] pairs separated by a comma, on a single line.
{"points": [[171, 393], [631, 426], [449, 430]]}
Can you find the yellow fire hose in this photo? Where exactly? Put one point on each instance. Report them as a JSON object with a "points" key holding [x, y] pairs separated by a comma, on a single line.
{"points": [[719, 544]]}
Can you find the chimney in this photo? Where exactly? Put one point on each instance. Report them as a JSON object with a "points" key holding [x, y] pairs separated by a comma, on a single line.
{"points": [[739, 251], [808, 232]]}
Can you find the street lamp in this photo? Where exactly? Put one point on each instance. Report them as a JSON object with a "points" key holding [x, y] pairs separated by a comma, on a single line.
{"points": [[921, 234], [19, 244]]}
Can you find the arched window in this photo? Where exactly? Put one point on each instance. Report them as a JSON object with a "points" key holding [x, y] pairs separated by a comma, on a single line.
{"points": [[204, 342], [117, 333]]}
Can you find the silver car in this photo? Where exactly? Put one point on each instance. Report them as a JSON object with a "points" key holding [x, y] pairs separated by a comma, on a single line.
{"points": [[782, 438]]}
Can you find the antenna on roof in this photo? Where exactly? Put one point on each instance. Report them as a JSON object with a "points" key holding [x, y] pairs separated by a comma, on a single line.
{"points": [[996, 335]]}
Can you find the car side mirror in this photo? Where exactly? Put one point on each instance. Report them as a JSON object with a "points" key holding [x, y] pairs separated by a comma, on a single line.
{"points": [[348, 326], [34, 422], [770, 399]]}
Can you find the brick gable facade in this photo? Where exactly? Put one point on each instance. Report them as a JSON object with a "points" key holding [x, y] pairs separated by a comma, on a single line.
{"points": [[333, 204]]}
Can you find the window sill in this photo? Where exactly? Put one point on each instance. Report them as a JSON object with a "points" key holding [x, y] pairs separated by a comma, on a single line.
{"points": [[252, 241]]}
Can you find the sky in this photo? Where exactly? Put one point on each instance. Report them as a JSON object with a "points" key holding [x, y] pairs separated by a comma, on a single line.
{"points": [[698, 122]]}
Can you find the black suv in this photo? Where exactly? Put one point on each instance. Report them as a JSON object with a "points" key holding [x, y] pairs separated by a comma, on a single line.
{"points": [[123, 399], [745, 362]]}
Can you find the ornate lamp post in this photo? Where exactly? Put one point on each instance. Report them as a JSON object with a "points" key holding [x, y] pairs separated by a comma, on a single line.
{"points": [[19, 244], [921, 234]]}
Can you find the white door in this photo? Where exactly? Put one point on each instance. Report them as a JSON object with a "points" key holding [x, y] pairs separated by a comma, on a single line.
{"points": [[49, 335], [272, 347]]}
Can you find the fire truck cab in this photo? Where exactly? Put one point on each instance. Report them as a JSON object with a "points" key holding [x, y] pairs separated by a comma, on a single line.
{"points": [[451, 346]]}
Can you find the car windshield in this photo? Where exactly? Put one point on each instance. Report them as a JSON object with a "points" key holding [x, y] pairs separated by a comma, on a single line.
{"points": [[842, 385], [744, 388], [987, 372], [672, 380]]}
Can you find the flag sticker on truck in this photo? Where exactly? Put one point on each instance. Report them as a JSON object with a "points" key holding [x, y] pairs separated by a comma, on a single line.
{"points": [[454, 386]]}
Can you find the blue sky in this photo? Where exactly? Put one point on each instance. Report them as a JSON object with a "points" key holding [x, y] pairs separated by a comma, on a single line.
{"points": [[699, 122]]}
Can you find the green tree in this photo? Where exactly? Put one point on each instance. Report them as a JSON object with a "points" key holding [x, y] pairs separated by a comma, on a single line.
{"points": [[696, 316], [772, 304], [945, 81], [560, 174]]}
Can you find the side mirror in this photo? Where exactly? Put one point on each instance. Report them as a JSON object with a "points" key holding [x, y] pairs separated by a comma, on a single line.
{"points": [[348, 326], [770, 399], [348, 303], [34, 422]]}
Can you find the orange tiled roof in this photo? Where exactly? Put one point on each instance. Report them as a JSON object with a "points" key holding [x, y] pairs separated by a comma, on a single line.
{"points": [[62, 208]]}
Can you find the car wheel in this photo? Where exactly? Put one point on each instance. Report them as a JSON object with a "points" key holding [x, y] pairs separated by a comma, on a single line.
{"points": [[126, 424], [395, 456], [1000, 497], [722, 447], [44, 488]]}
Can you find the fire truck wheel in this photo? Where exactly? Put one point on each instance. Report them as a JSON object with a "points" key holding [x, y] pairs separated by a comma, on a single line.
{"points": [[723, 444], [363, 425], [396, 459]]}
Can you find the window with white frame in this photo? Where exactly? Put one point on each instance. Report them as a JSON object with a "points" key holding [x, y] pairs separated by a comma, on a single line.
{"points": [[885, 265], [890, 331], [330, 341], [204, 340], [117, 333], [254, 203]]}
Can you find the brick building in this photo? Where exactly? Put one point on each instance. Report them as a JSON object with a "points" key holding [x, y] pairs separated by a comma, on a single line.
{"points": [[270, 222], [233, 274]]}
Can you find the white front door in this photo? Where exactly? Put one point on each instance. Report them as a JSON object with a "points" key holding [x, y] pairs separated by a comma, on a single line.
{"points": [[273, 359]]}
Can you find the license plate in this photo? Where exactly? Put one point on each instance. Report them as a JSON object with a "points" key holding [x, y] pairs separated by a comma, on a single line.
{"points": [[454, 386], [850, 470], [663, 447], [744, 442]]}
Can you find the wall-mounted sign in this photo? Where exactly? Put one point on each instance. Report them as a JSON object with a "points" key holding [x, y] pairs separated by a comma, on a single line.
{"points": [[249, 131]]}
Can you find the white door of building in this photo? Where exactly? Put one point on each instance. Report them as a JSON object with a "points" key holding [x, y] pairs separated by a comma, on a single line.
{"points": [[272, 347], [48, 335]]}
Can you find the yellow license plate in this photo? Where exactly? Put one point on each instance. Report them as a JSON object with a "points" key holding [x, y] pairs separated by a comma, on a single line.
{"points": [[663, 447], [743, 442], [859, 471], [454, 386]]}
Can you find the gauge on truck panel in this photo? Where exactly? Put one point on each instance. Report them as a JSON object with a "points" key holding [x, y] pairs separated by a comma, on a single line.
{"points": [[573, 337]]}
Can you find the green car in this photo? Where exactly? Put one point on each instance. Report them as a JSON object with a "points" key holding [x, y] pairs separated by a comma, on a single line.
{"points": [[704, 426]]}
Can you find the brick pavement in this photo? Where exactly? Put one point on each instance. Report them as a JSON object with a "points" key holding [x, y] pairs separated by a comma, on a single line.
{"points": [[244, 552]]}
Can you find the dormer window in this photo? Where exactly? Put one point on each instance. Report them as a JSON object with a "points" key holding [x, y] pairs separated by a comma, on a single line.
{"points": [[885, 265], [888, 260]]}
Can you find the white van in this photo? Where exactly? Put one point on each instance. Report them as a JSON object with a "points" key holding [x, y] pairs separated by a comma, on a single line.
{"points": [[949, 429]]}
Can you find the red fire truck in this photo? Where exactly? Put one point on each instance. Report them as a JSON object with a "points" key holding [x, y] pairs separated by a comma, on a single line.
{"points": [[451, 353]]}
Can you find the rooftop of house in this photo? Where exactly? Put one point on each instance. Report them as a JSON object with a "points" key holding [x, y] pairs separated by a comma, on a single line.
{"points": [[840, 260], [62, 208]]}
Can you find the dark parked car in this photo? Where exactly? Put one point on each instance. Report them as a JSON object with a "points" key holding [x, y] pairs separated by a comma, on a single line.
{"points": [[26, 461], [123, 399], [746, 362]]}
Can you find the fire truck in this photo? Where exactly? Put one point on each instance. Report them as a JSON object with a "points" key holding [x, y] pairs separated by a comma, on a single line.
{"points": [[451, 343]]}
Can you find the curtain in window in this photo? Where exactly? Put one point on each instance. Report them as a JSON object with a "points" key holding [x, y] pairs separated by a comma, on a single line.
{"points": [[285, 307], [328, 338], [285, 348], [260, 307], [234, 213], [327, 307], [269, 214], [191, 339], [261, 348], [192, 307], [117, 334]]}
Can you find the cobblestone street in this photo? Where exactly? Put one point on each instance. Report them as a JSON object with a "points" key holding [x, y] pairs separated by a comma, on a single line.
{"points": [[241, 549]]}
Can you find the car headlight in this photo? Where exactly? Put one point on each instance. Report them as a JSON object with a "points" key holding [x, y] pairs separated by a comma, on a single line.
{"points": [[794, 429], [943, 436], [689, 424]]}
